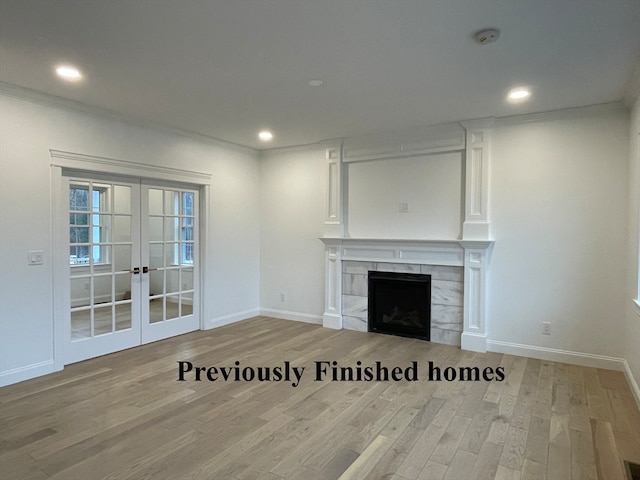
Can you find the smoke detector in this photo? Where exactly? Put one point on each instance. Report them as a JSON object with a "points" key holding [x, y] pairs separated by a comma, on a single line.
{"points": [[490, 35]]}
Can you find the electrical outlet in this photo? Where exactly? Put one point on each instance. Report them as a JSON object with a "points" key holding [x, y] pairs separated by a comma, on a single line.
{"points": [[403, 207], [546, 328], [283, 298], [86, 285]]}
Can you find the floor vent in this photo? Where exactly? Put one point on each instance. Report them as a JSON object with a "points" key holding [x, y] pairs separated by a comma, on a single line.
{"points": [[633, 470]]}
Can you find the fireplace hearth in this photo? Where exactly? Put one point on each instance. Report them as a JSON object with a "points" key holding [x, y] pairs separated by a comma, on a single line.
{"points": [[400, 304]]}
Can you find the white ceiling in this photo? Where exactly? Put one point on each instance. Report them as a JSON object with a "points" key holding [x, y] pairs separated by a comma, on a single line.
{"points": [[227, 68]]}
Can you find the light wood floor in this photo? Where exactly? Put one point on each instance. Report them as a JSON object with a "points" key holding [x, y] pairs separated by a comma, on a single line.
{"points": [[125, 415]]}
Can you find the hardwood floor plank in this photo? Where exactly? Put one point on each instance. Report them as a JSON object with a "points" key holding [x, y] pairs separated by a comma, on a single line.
{"points": [[125, 415], [559, 462], [538, 441], [480, 427], [461, 466], [608, 462], [514, 448], [366, 461], [433, 471], [417, 458], [390, 462], [450, 440], [488, 460], [583, 463], [504, 473]]}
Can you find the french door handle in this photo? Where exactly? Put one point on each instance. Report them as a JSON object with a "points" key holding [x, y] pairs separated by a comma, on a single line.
{"points": [[135, 270], [147, 269]]}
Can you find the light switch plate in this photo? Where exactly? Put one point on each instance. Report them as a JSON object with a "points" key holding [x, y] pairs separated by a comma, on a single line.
{"points": [[35, 257], [403, 207]]}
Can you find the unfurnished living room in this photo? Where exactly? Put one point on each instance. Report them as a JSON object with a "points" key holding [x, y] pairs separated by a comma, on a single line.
{"points": [[319, 240]]}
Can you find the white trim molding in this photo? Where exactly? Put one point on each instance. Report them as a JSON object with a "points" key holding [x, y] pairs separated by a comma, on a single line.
{"points": [[556, 355], [477, 163], [334, 200], [92, 163], [472, 255], [232, 318], [633, 385], [287, 315], [27, 372]]}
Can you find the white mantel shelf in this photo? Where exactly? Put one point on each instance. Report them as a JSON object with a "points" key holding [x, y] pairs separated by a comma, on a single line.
{"points": [[472, 255]]}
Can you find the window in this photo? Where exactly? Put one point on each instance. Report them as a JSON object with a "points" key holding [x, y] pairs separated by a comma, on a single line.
{"points": [[87, 226], [183, 228], [186, 229]]}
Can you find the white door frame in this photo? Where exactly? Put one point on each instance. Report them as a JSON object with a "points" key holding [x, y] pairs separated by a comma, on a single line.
{"points": [[69, 161]]}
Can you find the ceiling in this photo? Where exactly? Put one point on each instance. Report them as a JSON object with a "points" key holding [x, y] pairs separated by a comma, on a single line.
{"points": [[227, 69]]}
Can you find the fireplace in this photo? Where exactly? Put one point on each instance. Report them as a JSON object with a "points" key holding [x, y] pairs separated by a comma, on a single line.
{"points": [[400, 304]]}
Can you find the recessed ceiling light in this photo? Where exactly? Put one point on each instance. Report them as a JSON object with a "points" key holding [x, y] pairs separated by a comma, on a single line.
{"points": [[315, 83], [518, 94], [67, 72], [265, 135]]}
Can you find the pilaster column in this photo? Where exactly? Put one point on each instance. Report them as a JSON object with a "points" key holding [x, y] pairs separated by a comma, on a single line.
{"points": [[335, 221], [332, 317], [476, 224], [476, 261]]}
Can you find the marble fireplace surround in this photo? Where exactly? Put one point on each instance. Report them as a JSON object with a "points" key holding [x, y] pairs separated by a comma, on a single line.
{"points": [[349, 259]]}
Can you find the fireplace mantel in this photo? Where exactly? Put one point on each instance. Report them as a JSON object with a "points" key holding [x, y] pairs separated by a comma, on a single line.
{"points": [[472, 255]]}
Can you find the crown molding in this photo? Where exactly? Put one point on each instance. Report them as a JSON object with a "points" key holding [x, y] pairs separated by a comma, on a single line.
{"points": [[563, 114], [308, 147], [53, 101]]}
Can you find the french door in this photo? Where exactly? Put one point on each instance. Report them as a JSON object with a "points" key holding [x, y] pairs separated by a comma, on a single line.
{"points": [[133, 264]]}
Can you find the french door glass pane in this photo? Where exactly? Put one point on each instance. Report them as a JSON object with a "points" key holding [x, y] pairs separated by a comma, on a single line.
{"points": [[171, 202], [155, 202], [156, 310], [173, 306], [122, 259], [121, 199], [156, 229], [123, 316], [80, 324]]}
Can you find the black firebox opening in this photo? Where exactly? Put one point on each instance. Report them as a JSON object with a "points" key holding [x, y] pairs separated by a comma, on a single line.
{"points": [[400, 304]]}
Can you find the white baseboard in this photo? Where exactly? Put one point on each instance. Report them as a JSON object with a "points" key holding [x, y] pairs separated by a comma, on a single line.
{"points": [[332, 321], [473, 342], [26, 373], [296, 316], [633, 385], [233, 318], [555, 355]]}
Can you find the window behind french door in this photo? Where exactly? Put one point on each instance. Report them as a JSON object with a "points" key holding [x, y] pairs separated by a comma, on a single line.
{"points": [[133, 264]]}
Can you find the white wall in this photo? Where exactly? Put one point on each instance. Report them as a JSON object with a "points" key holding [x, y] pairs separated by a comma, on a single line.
{"points": [[559, 195], [558, 203], [28, 130], [431, 185], [558, 212], [292, 216], [632, 330]]}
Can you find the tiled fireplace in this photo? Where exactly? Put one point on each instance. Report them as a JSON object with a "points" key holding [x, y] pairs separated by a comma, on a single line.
{"points": [[458, 283], [446, 296]]}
